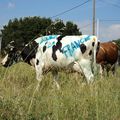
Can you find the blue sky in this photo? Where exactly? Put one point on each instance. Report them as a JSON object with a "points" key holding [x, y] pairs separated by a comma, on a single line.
{"points": [[82, 16]]}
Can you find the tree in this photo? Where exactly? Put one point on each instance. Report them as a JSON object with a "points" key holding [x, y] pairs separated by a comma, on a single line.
{"points": [[71, 29], [117, 42], [26, 29]]}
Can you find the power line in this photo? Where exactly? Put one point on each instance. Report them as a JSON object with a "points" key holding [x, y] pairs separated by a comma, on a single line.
{"points": [[111, 3], [101, 20], [109, 20], [70, 9], [85, 26]]}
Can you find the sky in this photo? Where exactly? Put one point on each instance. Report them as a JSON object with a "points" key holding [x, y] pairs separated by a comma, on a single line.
{"points": [[79, 12]]}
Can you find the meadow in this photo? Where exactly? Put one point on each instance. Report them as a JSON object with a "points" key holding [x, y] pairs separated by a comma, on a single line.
{"points": [[74, 101]]}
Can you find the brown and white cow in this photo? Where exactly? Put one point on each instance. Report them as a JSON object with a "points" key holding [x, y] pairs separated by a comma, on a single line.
{"points": [[107, 56]]}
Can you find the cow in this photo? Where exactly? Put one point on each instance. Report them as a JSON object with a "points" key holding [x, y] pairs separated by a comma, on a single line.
{"points": [[14, 55], [56, 52], [107, 56]]}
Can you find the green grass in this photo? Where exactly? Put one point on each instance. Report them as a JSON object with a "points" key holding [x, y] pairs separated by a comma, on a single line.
{"points": [[74, 101]]}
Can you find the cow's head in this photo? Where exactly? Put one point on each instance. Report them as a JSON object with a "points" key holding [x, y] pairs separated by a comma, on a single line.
{"points": [[12, 55]]}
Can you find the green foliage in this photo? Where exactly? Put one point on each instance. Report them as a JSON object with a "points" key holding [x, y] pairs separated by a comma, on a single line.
{"points": [[26, 29], [74, 101], [118, 42], [73, 31], [23, 30]]}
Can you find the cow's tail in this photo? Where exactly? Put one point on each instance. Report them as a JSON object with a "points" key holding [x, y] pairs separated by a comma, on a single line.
{"points": [[95, 49]]}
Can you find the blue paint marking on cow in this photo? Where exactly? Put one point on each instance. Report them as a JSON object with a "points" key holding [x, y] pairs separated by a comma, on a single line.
{"points": [[47, 38], [77, 44], [73, 46], [69, 49], [49, 44]]}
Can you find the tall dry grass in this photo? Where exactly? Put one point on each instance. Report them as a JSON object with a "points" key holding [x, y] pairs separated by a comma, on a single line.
{"points": [[74, 101]]}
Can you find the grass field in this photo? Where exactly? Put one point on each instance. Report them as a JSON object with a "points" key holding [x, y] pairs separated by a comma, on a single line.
{"points": [[74, 101]]}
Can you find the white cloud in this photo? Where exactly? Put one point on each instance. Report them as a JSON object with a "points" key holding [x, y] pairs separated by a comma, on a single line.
{"points": [[111, 32], [105, 32], [115, 27], [11, 5]]}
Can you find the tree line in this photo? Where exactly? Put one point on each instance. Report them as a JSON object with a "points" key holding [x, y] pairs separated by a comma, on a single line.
{"points": [[25, 29]]}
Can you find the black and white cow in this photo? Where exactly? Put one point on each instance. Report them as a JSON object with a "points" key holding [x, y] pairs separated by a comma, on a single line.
{"points": [[55, 52], [14, 55]]}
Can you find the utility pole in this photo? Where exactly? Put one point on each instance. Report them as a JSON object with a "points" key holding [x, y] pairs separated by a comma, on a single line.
{"points": [[97, 33], [94, 12], [0, 42]]}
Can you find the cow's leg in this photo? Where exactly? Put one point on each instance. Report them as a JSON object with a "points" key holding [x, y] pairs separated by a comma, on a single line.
{"points": [[39, 69], [100, 70], [76, 67], [86, 68], [55, 78], [107, 70], [113, 69], [109, 67]]}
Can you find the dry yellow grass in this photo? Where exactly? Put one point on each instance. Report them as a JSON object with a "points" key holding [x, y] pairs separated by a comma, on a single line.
{"points": [[74, 101]]}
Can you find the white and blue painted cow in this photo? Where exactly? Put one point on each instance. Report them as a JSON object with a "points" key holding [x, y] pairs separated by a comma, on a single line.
{"points": [[56, 52]]}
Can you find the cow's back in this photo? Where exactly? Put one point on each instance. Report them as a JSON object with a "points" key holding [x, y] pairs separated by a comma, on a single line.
{"points": [[108, 53], [62, 51]]}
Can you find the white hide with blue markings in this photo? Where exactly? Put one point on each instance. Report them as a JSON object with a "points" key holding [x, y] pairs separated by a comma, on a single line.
{"points": [[70, 43], [66, 52]]}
